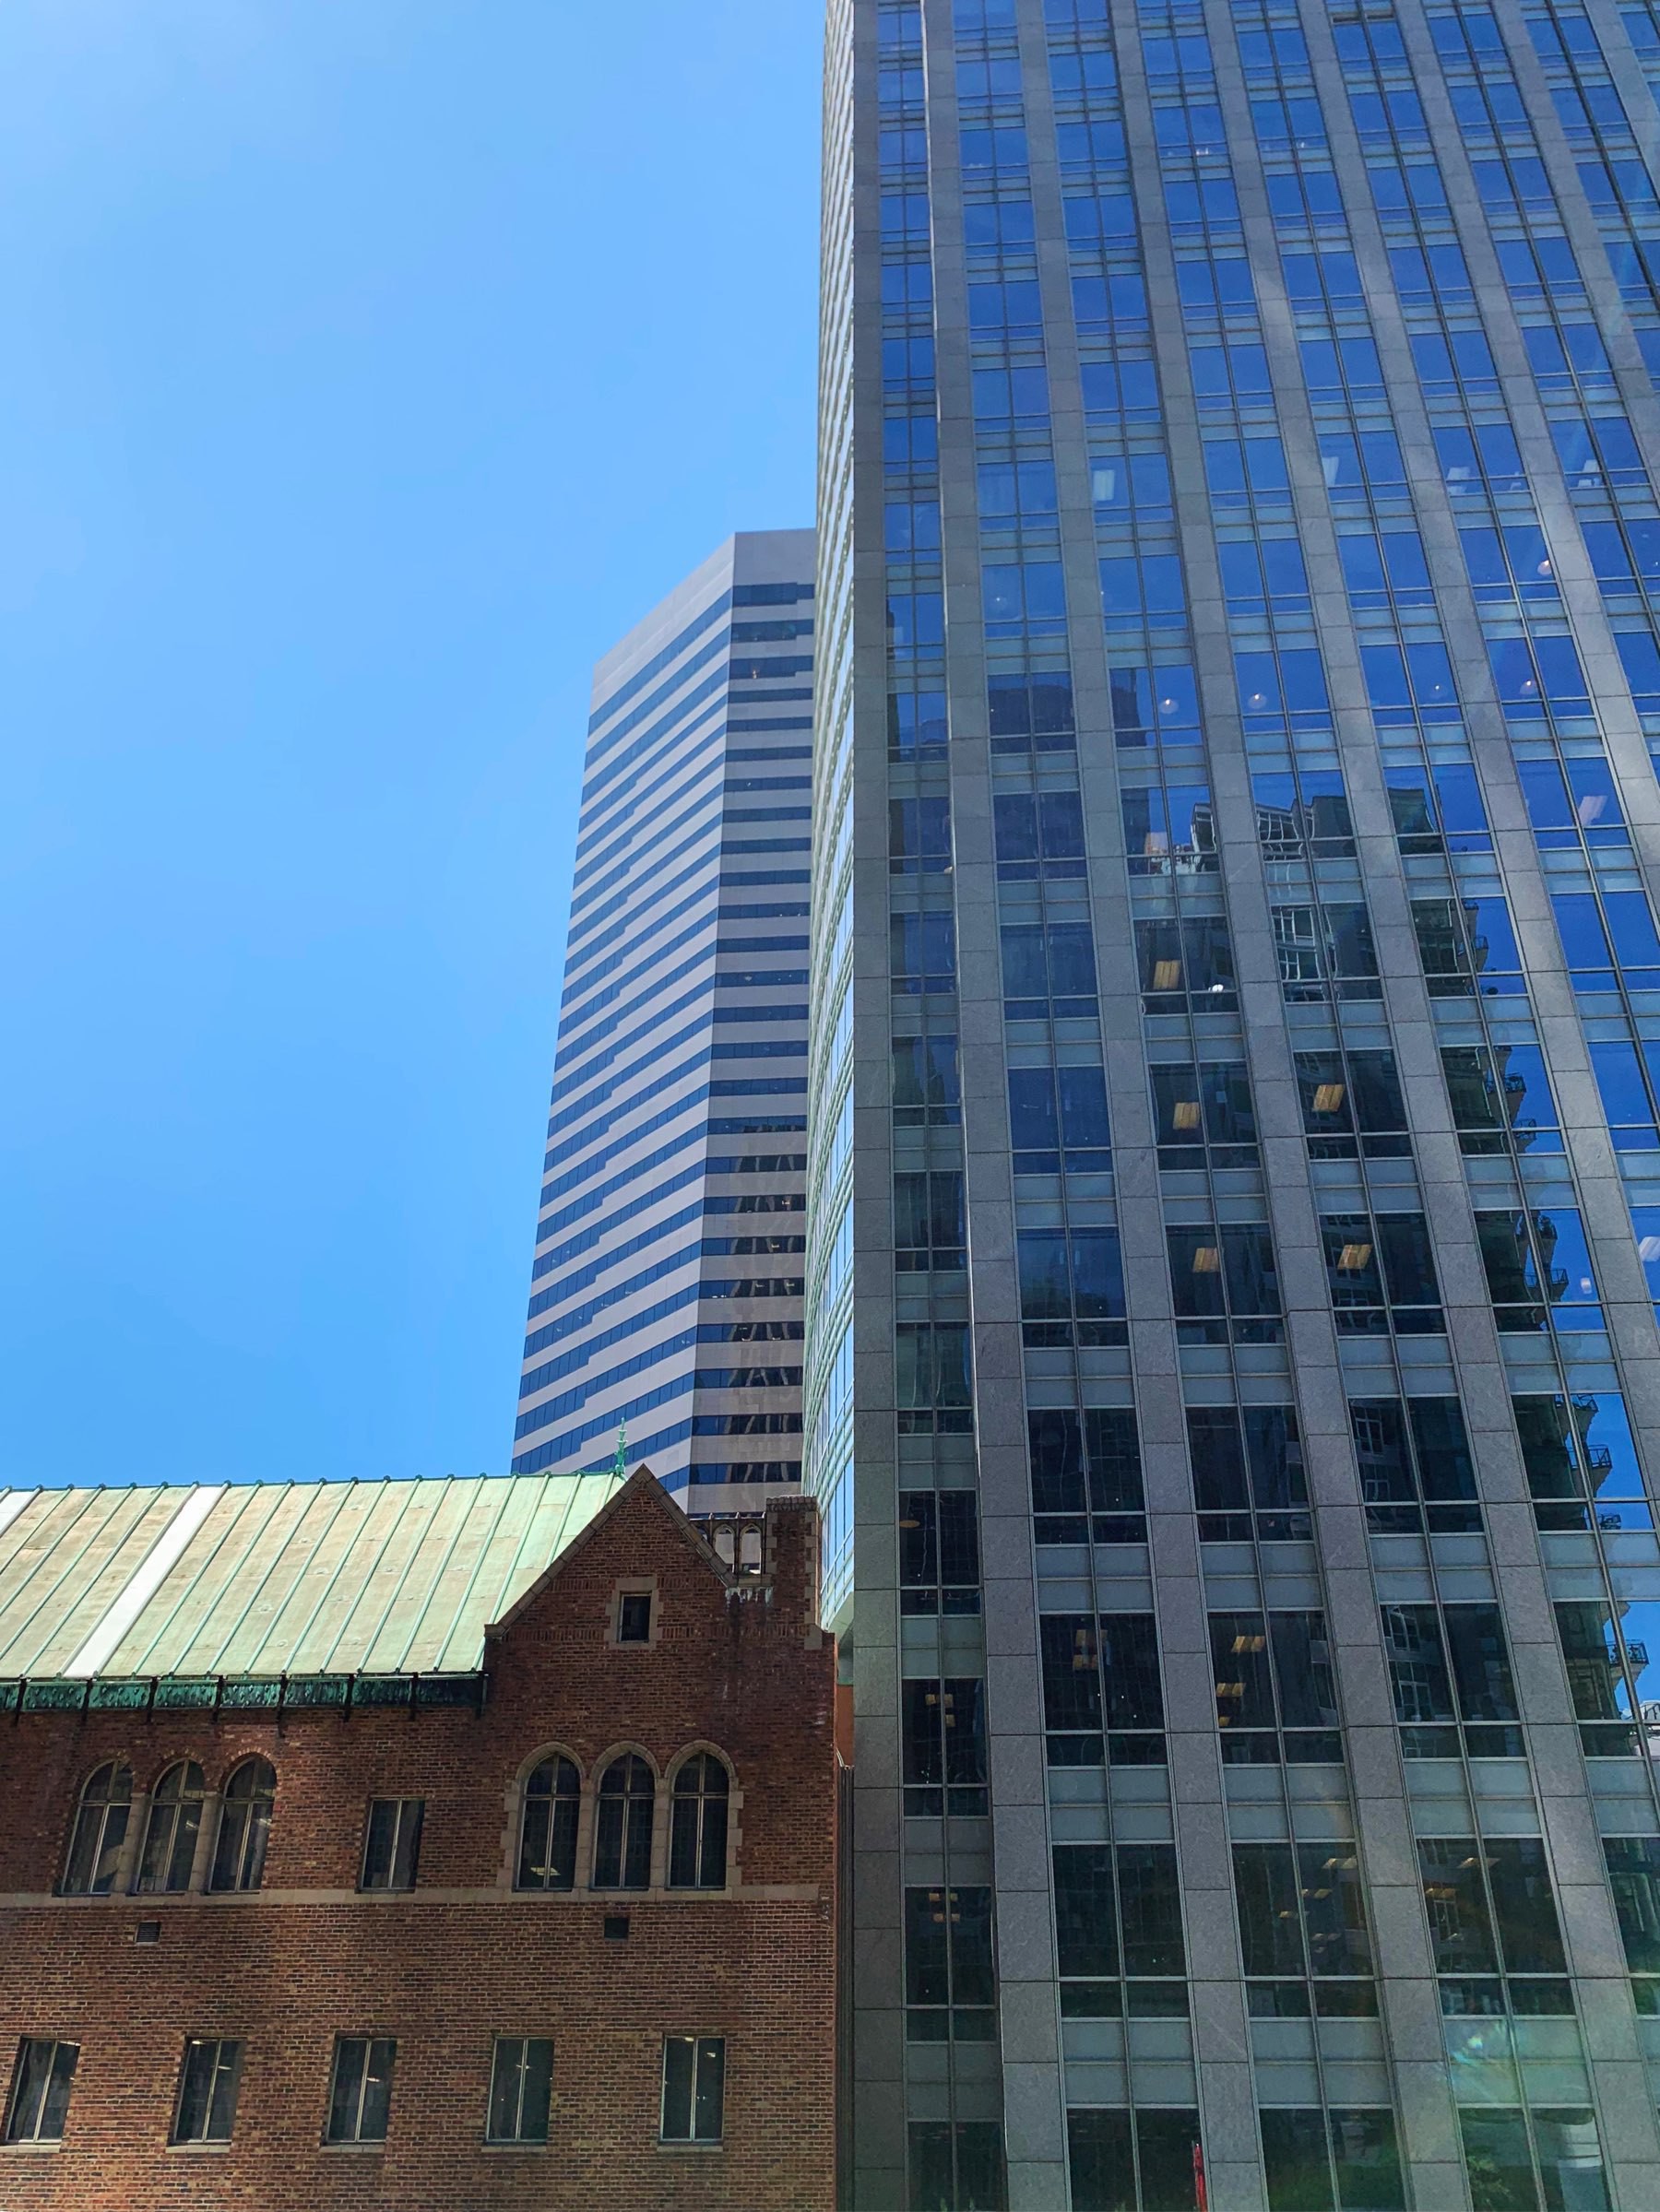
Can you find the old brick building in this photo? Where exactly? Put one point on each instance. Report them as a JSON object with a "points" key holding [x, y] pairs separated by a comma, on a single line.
{"points": [[425, 1845]]}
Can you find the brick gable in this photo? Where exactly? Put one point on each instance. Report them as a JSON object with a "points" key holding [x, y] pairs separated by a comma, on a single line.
{"points": [[737, 1665]]}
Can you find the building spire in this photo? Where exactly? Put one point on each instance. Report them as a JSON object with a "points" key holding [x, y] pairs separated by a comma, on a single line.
{"points": [[621, 1469]]}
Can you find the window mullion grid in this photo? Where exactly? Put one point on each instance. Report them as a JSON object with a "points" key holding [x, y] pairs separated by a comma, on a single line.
{"points": [[1475, 1341], [965, 713], [1355, 1630], [1204, 1865]]}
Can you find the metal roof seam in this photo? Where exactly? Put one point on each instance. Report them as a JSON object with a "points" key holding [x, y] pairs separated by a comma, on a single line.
{"points": [[458, 1610], [248, 1580], [134, 1594], [343, 1495], [214, 1661], [135, 1503], [431, 1537], [154, 1633]]}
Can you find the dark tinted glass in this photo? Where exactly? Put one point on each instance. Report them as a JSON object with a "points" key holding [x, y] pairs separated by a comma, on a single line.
{"points": [[1086, 1909]]}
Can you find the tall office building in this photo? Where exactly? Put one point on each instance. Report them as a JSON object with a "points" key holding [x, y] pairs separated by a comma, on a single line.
{"points": [[1233, 1383], [666, 1291]]}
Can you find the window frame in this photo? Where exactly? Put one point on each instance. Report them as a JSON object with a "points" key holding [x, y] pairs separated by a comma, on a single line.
{"points": [[519, 2140], [176, 1811], [208, 2139], [103, 1808], [368, 2045], [705, 1803], [403, 1851], [692, 2139], [635, 1586], [622, 1754], [252, 1814], [553, 1756], [34, 2140]]}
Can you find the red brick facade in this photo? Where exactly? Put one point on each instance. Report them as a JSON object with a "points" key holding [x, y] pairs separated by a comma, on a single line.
{"points": [[732, 1664]]}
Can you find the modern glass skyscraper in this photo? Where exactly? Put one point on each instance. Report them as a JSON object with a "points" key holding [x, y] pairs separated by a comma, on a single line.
{"points": [[1232, 1375], [666, 1291]]}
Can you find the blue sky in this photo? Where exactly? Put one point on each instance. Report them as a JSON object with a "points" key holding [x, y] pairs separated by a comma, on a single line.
{"points": [[367, 371]]}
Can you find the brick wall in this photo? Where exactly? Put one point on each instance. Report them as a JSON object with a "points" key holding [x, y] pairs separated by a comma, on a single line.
{"points": [[737, 1667]]}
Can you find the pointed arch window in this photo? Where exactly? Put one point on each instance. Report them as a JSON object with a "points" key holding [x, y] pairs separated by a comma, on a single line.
{"points": [[622, 1824], [239, 1853], [698, 1824], [547, 1858], [174, 1824], [100, 1827]]}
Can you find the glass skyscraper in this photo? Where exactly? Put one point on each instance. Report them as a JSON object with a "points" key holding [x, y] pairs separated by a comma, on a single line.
{"points": [[666, 1291], [1233, 1384]]}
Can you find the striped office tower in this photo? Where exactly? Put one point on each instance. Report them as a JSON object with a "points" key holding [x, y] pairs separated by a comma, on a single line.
{"points": [[666, 1292]]}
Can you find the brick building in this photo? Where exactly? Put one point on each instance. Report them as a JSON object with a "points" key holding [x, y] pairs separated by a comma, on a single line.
{"points": [[426, 1845]]}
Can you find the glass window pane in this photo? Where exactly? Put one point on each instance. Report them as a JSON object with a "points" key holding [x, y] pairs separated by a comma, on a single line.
{"points": [[54, 2102], [377, 2090], [221, 2110], [502, 2124], [1167, 2144], [679, 2053], [40, 2095], [1570, 2161], [1294, 2152], [350, 2058], [1102, 2161], [1480, 1663], [1239, 1661], [1366, 2161], [1496, 2155], [1270, 1926], [1529, 1936], [1461, 1930], [539, 2089], [1302, 1669], [708, 2106], [1634, 1872], [1150, 1908], [1086, 1909], [1114, 1449], [1329, 1879]]}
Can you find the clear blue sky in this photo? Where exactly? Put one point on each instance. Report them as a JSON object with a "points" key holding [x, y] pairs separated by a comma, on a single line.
{"points": [[368, 368]]}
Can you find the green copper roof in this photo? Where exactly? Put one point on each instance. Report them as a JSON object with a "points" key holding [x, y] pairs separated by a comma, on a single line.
{"points": [[269, 1579]]}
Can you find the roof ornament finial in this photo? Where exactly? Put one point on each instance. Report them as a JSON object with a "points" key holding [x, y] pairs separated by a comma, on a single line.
{"points": [[622, 1466]]}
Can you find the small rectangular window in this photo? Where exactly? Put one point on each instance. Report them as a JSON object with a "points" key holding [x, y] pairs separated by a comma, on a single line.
{"points": [[938, 1551], [949, 1979], [1275, 1669], [693, 2088], [521, 2085], [1104, 2157], [360, 2101], [633, 1616], [1086, 1475], [1365, 2158], [1634, 1872], [945, 1739], [961, 2162], [208, 2088], [392, 1842], [40, 2094]]}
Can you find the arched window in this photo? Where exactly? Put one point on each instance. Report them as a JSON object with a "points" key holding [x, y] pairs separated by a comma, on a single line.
{"points": [[547, 1857], [622, 1824], [175, 1821], [100, 1827], [697, 1825], [239, 1855]]}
